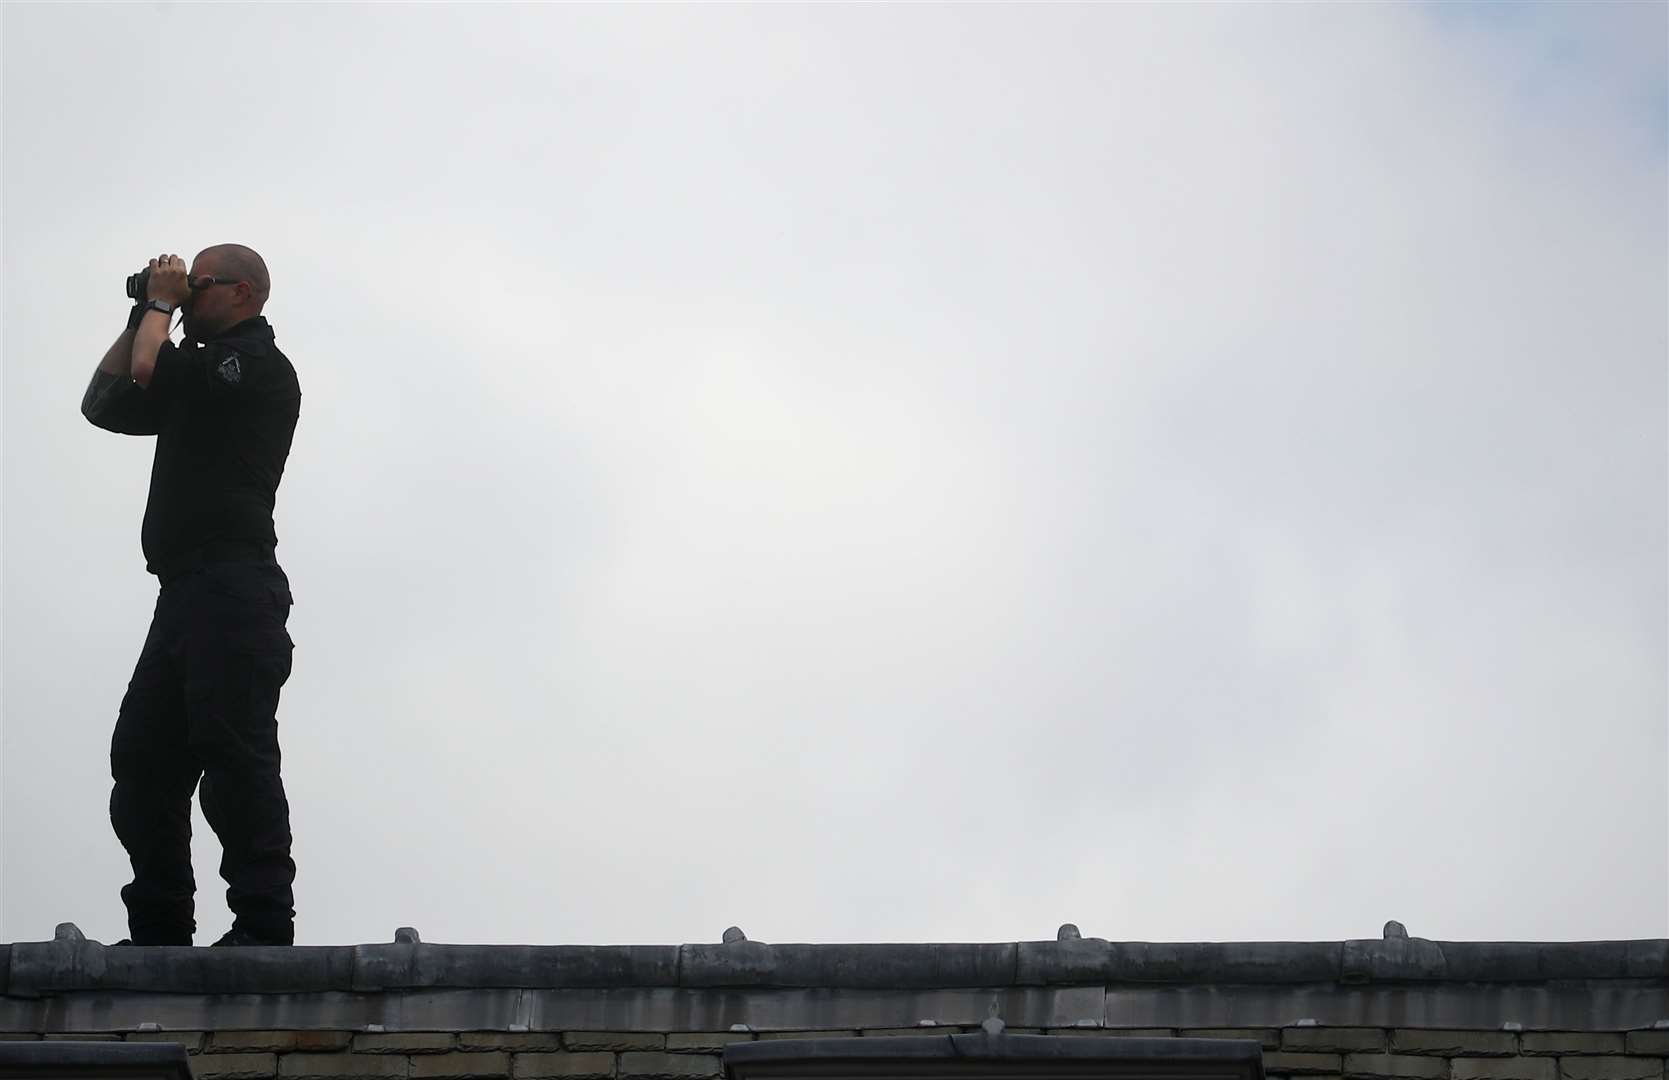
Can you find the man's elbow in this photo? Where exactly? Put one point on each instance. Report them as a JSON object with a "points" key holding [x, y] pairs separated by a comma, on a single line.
{"points": [[101, 404], [102, 420], [95, 399]]}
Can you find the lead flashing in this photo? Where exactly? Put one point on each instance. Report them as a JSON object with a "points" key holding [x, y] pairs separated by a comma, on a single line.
{"points": [[65, 965]]}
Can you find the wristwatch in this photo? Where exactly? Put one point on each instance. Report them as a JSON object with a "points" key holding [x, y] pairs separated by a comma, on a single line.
{"points": [[160, 305]]}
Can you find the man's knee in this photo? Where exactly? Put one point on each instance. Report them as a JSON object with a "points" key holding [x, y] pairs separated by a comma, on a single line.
{"points": [[134, 763], [138, 799], [144, 742]]}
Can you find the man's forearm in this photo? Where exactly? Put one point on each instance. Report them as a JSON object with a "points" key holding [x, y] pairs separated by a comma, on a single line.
{"points": [[119, 360], [152, 332], [111, 400]]}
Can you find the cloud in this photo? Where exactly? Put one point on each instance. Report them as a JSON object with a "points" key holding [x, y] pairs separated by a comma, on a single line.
{"points": [[915, 473]]}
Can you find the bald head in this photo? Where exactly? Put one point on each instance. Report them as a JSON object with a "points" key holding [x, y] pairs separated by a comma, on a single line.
{"points": [[239, 292], [243, 264]]}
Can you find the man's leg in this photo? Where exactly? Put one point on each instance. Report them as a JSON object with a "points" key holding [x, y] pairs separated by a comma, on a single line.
{"points": [[237, 662], [150, 802]]}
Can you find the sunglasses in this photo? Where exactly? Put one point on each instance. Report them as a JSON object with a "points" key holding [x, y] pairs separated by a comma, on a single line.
{"points": [[209, 281]]}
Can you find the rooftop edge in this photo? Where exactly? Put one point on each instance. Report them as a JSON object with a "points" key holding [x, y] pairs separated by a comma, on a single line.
{"points": [[73, 963]]}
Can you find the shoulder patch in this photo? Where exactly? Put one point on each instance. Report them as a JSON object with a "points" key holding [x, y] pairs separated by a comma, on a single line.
{"points": [[229, 370]]}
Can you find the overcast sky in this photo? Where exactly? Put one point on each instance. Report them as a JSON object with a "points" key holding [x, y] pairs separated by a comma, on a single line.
{"points": [[883, 473]]}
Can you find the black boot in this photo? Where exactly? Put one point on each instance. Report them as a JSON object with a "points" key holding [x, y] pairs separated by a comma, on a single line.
{"points": [[237, 935]]}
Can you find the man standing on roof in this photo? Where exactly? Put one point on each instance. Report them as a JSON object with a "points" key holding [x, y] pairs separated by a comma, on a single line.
{"points": [[203, 701]]}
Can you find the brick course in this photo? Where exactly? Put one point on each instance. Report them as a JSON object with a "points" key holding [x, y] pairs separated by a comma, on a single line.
{"points": [[404, 1042], [662, 1066], [1309, 1053], [688, 1042], [1560, 1043], [278, 1042], [1508, 1068], [1282, 1061], [1454, 1043], [345, 1066], [618, 1041], [1333, 1040], [455, 1066], [588, 1066], [1395, 1066], [1648, 1042], [234, 1066], [1611, 1068], [515, 1041]]}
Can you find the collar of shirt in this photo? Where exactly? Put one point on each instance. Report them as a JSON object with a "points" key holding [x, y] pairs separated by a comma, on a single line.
{"points": [[254, 326]]}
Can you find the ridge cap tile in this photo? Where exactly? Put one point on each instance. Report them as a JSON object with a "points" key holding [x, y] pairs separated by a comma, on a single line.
{"points": [[44, 968]]}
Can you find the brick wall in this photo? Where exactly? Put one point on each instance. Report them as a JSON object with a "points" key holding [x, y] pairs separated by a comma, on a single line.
{"points": [[1313, 1053]]}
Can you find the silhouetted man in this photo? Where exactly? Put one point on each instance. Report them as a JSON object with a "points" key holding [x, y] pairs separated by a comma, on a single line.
{"points": [[203, 700]]}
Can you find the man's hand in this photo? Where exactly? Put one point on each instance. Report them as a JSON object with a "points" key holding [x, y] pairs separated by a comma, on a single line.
{"points": [[168, 280], [169, 284]]}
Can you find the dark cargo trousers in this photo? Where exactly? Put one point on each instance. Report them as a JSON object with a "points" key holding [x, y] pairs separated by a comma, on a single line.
{"points": [[203, 705]]}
